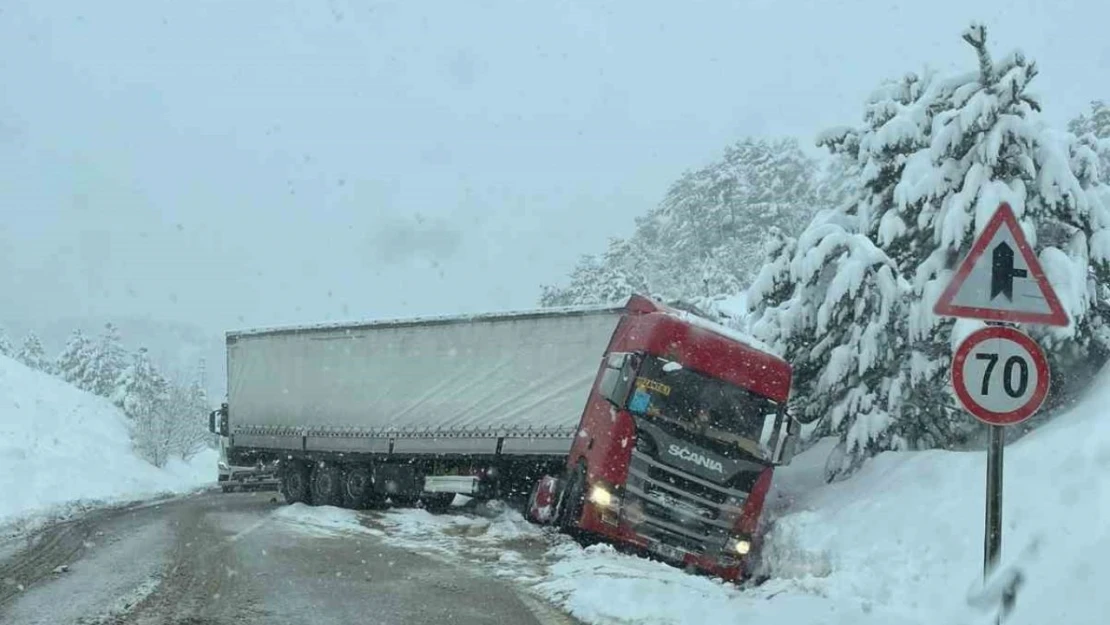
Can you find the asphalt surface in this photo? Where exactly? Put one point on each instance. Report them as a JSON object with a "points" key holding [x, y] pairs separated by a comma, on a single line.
{"points": [[221, 559]]}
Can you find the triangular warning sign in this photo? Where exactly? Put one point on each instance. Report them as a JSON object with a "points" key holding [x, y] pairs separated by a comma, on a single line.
{"points": [[1001, 279]]}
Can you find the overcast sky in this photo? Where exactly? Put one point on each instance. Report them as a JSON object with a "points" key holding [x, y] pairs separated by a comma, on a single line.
{"points": [[258, 162]]}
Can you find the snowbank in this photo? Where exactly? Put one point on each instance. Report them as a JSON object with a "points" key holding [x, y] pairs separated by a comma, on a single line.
{"points": [[500, 539], [61, 448], [322, 520], [906, 533]]}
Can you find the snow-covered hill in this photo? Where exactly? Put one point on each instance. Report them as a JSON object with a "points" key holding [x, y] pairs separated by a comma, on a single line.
{"points": [[61, 447]]}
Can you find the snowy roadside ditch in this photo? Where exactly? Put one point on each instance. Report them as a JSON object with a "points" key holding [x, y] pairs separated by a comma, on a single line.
{"points": [[596, 584]]}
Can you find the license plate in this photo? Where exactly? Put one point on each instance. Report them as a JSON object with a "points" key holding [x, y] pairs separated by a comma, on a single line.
{"points": [[667, 551]]}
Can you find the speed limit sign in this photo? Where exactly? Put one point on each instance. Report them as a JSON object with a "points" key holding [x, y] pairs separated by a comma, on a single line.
{"points": [[1000, 375]]}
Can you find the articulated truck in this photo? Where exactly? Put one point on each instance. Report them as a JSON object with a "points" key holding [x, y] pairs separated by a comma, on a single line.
{"points": [[643, 425]]}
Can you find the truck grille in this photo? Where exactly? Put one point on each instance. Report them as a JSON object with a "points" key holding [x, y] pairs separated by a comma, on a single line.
{"points": [[678, 509]]}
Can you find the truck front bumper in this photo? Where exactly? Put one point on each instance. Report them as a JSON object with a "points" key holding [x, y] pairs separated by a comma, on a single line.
{"points": [[610, 522], [678, 517]]}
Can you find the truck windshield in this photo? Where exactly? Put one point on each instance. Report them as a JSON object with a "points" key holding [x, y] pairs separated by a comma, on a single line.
{"points": [[666, 389]]}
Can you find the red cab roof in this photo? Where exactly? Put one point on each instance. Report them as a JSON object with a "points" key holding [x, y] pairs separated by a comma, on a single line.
{"points": [[705, 347]]}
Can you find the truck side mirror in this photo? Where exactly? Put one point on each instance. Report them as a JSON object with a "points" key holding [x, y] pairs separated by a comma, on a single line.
{"points": [[617, 378], [789, 448], [786, 444], [217, 421]]}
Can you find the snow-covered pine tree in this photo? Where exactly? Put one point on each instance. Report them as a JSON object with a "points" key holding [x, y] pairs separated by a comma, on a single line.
{"points": [[1094, 130], [832, 304], [32, 354], [838, 181], [176, 414], [194, 413], [108, 359], [185, 413], [72, 365], [143, 395], [138, 386], [935, 157], [6, 348]]}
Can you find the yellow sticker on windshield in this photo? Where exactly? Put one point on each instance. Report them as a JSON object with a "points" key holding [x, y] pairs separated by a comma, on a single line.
{"points": [[652, 385]]}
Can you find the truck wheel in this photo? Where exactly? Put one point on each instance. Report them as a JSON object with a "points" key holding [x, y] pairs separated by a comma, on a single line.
{"points": [[438, 503], [573, 500], [327, 485], [294, 484], [358, 488]]}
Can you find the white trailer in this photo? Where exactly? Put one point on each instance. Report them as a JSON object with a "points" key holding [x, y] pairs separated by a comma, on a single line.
{"points": [[483, 394]]}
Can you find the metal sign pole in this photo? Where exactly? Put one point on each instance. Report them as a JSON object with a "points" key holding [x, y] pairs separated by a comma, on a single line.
{"points": [[992, 536], [992, 539], [992, 547]]}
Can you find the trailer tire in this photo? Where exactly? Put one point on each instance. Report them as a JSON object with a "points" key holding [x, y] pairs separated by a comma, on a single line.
{"points": [[573, 500], [327, 485], [294, 484], [358, 488]]}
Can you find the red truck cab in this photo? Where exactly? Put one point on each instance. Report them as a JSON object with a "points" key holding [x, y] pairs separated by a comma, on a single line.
{"points": [[677, 445]]}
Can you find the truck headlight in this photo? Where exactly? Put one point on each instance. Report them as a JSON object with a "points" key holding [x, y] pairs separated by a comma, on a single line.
{"points": [[740, 546], [601, 496]]}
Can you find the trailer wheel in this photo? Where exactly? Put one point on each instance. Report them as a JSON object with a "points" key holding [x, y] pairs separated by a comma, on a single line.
{"points": [[573, 500], [327, 485], [358, 488], [294, 484]]}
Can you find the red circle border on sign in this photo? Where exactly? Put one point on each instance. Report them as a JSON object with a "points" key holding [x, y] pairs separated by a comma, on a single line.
{"points": [[1039, 362]]}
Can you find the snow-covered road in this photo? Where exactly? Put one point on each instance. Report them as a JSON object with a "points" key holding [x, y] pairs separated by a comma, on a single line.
{"points": [[242, 558]]}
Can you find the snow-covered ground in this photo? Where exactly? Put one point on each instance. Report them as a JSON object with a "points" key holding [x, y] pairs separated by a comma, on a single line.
{"points": [[898, 543], [62, 449]]}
